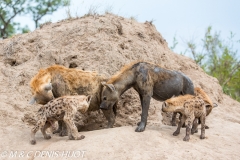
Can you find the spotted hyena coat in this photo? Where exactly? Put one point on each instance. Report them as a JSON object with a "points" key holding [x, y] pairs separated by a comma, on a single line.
{"points": [[193, 107], [209, 106], [63, 108], [57, 81]]}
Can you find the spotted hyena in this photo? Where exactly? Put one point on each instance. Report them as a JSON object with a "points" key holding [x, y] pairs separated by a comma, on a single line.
{"points": [[150, 81], [209, 106], [190, 107], [57, 81], [63, 108]]}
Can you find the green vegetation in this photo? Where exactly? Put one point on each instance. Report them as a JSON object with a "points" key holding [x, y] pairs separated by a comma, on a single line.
{"points": [[37, 9], [219, 59]]}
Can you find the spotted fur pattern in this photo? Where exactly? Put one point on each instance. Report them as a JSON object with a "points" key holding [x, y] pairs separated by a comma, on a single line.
{"points": [[63, 108], [193, 107], [56, 81]]}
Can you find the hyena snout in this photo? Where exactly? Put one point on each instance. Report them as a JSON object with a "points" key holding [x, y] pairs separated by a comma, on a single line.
{"points": [[105, 105]]}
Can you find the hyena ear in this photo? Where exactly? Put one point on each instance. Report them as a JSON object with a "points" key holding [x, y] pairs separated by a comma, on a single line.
{"points": [[215, 105], [207, 104], [164, 104], [110, 86], [89, 99]]}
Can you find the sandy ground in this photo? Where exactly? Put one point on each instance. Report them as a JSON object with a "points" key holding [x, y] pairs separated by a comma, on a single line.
{"points": [[156, 142], [105, 44]]}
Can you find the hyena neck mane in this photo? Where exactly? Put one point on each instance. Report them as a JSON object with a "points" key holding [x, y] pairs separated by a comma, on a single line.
{"points": [[180, 100], [125, 78]]}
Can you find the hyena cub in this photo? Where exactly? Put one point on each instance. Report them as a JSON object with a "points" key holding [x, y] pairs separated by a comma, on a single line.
{"points": [[190, 107], [63, 108], [209, 106]]}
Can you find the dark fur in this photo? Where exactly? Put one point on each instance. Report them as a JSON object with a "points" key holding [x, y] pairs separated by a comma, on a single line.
{"points": [[149, 80]]}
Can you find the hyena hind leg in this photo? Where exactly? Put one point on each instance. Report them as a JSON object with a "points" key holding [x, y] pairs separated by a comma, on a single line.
{"points": [[180, 123], [45, 127], [189, 121], [59, 127], [40, 124], [194, 127], [202, 136]]}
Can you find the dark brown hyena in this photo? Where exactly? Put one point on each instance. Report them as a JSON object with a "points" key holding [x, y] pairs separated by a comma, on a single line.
{"points": [[149, 80]]}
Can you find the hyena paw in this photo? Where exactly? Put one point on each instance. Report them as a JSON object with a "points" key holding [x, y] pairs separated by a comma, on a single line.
{"points": [[176, 133], [140, 128], [47, 136], [202, 136], [80, 137], [186, 138], [33, 142]]}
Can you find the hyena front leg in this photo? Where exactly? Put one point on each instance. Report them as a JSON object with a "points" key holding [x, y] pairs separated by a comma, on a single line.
{"points": [[110, 116], [70, 136], [41, 122], [72, 129], [190, 118], [46, 126], [199, 122], [203, 117], [180, 123]]}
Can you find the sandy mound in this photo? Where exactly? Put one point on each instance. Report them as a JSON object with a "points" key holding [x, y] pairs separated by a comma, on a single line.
{"points": [[104, 44]]}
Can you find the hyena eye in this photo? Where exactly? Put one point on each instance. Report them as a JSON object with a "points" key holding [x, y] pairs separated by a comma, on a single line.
{"points": [[104, 98]]}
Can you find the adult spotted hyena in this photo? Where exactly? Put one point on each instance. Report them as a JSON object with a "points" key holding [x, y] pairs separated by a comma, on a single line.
{"points": [[149, 80], [56, 81]]}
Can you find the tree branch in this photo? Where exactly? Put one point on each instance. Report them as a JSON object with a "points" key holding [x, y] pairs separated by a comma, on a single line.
{"points": [[231, 74], [2, 18]]}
